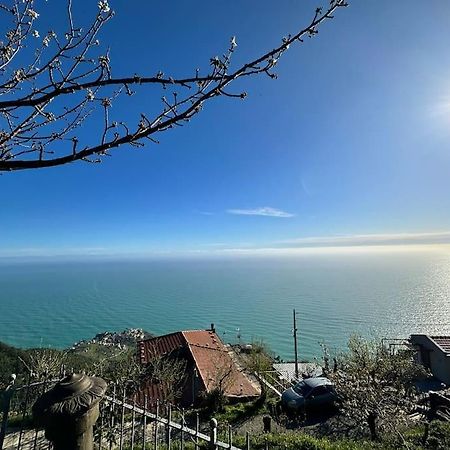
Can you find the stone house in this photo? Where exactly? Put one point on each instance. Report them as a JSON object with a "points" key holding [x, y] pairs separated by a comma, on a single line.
{"points": [[206, 363]]}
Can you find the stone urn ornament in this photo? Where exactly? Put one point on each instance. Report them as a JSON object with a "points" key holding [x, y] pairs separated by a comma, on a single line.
{"points": [[69, 410]]}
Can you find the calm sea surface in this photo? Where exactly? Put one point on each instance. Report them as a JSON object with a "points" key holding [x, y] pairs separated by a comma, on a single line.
{"points": [[377, 294]]}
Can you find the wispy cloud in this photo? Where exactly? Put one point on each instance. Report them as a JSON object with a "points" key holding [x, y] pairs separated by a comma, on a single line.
{"points": [[356, 243], [368, 239], [53, 251], [329, 250], [261, 211]]}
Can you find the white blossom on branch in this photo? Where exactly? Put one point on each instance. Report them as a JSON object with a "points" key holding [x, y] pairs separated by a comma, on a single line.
{"points": [[70, 81]]}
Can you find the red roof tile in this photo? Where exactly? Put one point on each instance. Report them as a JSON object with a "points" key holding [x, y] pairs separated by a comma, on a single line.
{"points": [[150, 393], [160, 346], [215, 365], [211, 358], [443, 342]]}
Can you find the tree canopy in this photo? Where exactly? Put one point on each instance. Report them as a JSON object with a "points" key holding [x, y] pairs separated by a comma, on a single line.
{"points": [[375, 386]]}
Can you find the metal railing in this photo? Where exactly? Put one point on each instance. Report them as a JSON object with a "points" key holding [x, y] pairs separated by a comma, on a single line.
{"points": [[16, 426], [125, 425], [272, 380], [122, 423]]}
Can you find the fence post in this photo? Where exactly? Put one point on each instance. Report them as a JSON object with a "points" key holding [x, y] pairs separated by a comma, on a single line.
{"points": [[155, 436], [168, 430], [213, 434], [144, 427], [122, 419], [267, 424], [133, 422], [69, 410], [5, 409], [112, 418], [183, 422], [24, 407], [197, 427]]}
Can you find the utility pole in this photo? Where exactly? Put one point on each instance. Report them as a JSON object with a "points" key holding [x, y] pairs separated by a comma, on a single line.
{"points": [[295, 346]]}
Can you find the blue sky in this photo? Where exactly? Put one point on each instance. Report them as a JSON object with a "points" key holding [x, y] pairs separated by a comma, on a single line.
{"points": [[352, 139]]}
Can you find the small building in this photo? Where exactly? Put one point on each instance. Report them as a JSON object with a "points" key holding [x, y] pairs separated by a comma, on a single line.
{"points": [[206, 362], [434, 354]]}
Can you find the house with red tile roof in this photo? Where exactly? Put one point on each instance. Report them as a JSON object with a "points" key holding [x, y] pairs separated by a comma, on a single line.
{"points": [[434, 354], [207, 364]]}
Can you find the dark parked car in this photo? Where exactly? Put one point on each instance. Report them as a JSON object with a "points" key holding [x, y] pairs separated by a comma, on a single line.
{"points": [[309, 393]]}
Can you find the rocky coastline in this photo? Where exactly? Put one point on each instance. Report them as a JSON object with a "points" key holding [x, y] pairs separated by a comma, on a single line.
{"points": [[118, 339]]}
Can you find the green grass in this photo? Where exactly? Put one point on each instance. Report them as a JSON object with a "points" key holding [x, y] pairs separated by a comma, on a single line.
{"points": [[303, 441], [439, 436], [18, 421], [438, 439], [239, 412]]}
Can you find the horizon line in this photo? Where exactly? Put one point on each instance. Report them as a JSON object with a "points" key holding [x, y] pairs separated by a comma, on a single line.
{"points": [[426, 241]]}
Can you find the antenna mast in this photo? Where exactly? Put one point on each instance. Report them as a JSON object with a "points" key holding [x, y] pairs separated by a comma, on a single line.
{"points": [[295, 346]]}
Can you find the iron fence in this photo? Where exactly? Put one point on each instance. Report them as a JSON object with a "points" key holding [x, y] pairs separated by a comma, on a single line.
{"points": [[122, 423], [17, 431], [272, 380], [126, 425]]}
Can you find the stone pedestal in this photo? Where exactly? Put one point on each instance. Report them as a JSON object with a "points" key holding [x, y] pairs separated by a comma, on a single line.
{"points": [[69, 411]]}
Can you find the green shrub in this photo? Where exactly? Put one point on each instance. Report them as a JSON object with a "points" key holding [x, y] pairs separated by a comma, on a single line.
{"points": [[439, 436], [303, 441]]}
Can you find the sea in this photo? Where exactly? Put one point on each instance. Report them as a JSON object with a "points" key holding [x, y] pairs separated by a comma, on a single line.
{"points": [[378, 294]]}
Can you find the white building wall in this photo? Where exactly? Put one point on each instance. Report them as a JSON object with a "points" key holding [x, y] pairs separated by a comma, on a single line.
{"points": [[439, 360]]}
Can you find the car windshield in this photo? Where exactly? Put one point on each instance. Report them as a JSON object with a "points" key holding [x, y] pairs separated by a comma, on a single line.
{"points": [[302, 388]]}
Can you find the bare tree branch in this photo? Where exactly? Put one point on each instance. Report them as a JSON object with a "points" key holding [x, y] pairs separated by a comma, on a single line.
{"points": [[43, 104]]}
